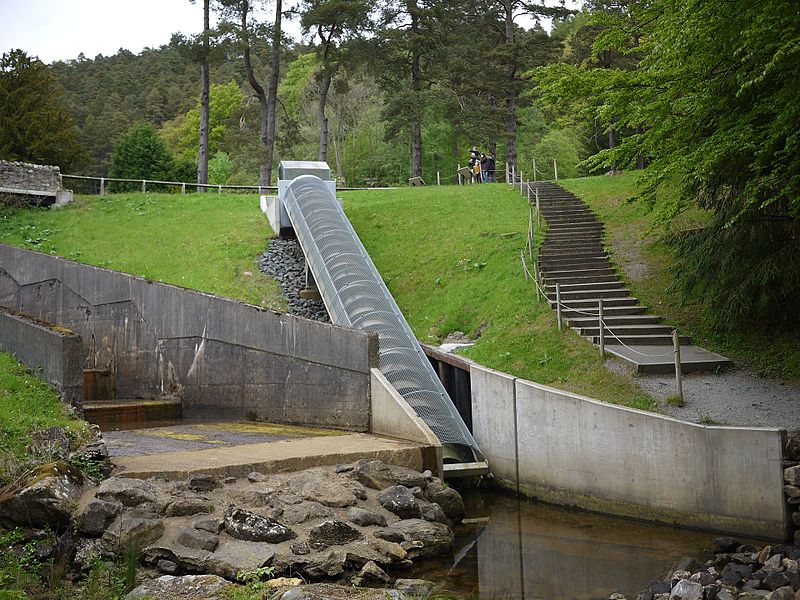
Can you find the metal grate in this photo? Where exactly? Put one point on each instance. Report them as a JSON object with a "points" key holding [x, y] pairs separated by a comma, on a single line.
{"points": [[356, 296]]}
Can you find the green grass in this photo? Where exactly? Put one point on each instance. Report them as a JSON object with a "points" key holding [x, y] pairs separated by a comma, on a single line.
{"points": [[634, 240], [451, 258], [204, 242], [27, 403]]}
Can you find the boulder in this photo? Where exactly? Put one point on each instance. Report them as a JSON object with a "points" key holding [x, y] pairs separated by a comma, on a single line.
{"points": [[167, 567], [48, 501], [187, 587], [399, 500], [725, 544], [687, 590], [96, 517], [235, 556], [365, 518], [414, 587], [434, 538], [792, 475], [371, 574], [88, 551], [451, 502], [430, 511], [128, 492], [325, 565], [244, 525], [378, 475], [202, 482], [195, 538], [334, 533], [300, 513], [188, 505], [134, 528], [784, 593], [773, 581], [316, 486], [210, 524]]}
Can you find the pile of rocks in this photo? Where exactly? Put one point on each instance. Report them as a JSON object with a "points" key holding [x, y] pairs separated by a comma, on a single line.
{"points": [[791, 476], [737, 572], [284, 261], [353, 523]]}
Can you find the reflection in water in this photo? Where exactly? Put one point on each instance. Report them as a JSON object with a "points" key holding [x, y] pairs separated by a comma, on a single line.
{"points": [[522, 549]]}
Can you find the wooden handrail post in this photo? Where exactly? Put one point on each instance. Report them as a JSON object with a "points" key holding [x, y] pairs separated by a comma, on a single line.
{"points": [[600, 324], [558, 304], [536, 280], [144, 186]]}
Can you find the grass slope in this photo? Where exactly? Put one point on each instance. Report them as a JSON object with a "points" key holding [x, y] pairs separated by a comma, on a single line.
{"points": [[645, 260], [451, 258], [204, 242]]}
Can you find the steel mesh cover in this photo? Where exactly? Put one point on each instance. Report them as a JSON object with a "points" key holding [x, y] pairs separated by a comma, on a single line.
{"points": [[356, 296]]}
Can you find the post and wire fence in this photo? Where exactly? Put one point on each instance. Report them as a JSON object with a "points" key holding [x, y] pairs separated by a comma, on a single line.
{"points": [[534, 222]]}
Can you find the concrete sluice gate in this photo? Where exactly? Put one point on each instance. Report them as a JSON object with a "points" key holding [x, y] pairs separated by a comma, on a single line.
{"points": [[356, 296]]}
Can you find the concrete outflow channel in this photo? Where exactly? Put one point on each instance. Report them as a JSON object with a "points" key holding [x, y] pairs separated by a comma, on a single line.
{"points": [[355, 295]]}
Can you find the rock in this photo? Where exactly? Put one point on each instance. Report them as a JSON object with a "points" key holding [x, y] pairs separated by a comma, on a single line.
{"points": [[167, 567], [329, 565], [617, 596], [784, 593], [315, 486], [245, 525], [294, 515], [451, 502], [235, 556], [211, 524], [290, 499], [378, 475], [414, 587], [191, 560], [334, 533], [195, 538], [256, 477], [773, 563], [300, 548], [792, 475], [399, 500], [188, 587], [392, 552], [678, 575], [371, 574], [773, 581], [343, 468], [192, 505], [724, 595], [431, 511], [280, 582], [389, 535], [688, 564], [686, 590], [704, 578], [202, 482], [134, 528], [87, 552], [358, 490], [128, 492], [97, 515], [435, 538], [49, 442], [365, 518], [791, 491], [48, 501], [725, 544], [733, 573]]}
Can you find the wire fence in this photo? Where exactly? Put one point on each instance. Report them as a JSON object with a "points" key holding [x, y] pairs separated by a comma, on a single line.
{"points": [[603, 327]]}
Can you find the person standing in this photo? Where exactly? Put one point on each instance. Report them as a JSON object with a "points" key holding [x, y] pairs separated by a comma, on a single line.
{"points": [[475, 165], [484, 167], [490, 167]]}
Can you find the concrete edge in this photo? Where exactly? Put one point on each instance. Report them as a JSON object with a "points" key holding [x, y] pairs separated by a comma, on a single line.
{"points": [[391, 416]]}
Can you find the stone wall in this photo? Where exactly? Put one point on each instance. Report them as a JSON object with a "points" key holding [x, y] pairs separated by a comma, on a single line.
{"points": [[26, 177], [224, 359], [572, 450], [55, 352]]}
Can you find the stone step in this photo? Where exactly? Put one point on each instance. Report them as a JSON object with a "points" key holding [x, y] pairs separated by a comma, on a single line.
{"points": [[574, 227], [567, 219], [612, 319], [643, 340], [610, 278], [590, 304], [608, 311], [132, 414], [582, 253], [625, 330], [559, 275], [560, 264], [590, 295], [586, 286], [694, 359]]}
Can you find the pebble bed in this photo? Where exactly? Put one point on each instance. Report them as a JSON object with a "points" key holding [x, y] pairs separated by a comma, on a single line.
{"points": [[284, 261]]}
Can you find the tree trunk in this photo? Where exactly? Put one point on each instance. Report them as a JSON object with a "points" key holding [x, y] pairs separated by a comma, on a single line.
{"points": [[416, 87], [260, 94], [202, 151], [511, 91], [323, 120], [272, 98]]}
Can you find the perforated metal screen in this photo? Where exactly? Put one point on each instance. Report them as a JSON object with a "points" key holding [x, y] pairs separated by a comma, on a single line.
{"points": [[356, 296]]}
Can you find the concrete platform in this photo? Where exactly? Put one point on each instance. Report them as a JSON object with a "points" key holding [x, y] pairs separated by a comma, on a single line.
{"points": [[693, 359], [271, 457]]}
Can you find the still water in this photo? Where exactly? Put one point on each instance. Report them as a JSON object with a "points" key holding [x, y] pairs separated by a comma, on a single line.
{"points": [[522, 549]]}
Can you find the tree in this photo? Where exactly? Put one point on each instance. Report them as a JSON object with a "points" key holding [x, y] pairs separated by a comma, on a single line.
{"points": [[35, 125], [141, 154], [335, 23], [716, 88], [203, 150]]}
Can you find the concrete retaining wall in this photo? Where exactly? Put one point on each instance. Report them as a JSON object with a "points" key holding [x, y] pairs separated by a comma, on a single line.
{"points": [[56, 352], [225, 359], [573, 450]]}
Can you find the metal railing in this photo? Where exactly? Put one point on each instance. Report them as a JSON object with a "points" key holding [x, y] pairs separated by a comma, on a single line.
{"points": [[534, 220]]}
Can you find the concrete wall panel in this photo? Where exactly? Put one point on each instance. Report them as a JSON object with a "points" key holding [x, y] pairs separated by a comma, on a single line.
{"points": [[493, 420]]}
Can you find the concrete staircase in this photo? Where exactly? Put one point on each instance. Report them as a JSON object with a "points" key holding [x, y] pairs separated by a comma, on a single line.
{"points": [[572, 256]]}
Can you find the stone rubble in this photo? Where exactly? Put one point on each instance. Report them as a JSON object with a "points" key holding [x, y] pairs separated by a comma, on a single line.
{"points": [[284, 261]]}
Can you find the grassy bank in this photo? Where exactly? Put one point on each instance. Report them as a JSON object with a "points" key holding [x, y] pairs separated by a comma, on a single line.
{"points": [[639, 250], [204, 242], [451, 258]]}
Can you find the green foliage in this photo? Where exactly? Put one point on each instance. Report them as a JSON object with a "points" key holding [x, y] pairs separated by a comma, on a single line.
{"points": [[563, 147], [27, 403], [35, 125], [141, 154], [220, 168]]}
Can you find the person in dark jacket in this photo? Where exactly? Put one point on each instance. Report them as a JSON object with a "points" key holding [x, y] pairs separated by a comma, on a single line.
{"points": [[484, 167], [490, 167]]}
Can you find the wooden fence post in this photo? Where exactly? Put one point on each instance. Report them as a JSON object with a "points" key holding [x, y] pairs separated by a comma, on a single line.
{"points": [[600, 325], [555, 169], [558, 304], [144, 186]]}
